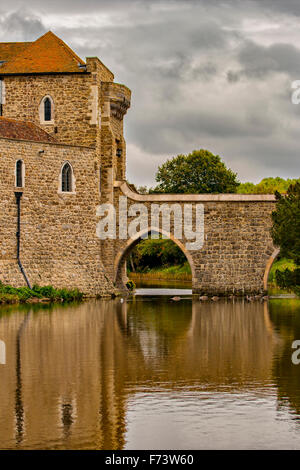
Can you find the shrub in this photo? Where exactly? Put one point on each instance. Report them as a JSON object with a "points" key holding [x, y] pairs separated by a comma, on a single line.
{"points": [[9, 294], [130, 285], [288, 279]]}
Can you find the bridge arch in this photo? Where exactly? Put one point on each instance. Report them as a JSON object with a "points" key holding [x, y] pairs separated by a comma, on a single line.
{"points": [[269, 265], [120, 260]]}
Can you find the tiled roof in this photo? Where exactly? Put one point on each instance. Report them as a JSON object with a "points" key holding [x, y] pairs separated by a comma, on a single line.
{"points": [[48, 54], [12, 129], [8, 50]]}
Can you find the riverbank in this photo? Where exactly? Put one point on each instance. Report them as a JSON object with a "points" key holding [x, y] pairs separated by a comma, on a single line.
{"points": [[177, 273], [45, 294], [168, 273], [280, 265], [183, 273]]}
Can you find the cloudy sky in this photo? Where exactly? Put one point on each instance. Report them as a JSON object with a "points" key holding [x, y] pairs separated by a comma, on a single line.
{"points": [[203, 74]]}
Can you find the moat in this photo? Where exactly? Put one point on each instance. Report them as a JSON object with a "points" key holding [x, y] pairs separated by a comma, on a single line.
{"points": [[150, 373]]}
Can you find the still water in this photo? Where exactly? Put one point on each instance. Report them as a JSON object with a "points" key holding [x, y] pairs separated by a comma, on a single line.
{"points": [[151, 373]]}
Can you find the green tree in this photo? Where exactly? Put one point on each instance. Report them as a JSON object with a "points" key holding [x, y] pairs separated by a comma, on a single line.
{"points": [[197, 172], [142, 189], [267, 186], [286, 234], [154, 253]]}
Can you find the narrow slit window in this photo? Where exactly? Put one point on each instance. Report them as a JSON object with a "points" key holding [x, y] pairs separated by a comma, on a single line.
{"points": [[1, 97], [19, 174], [47, 109], [66, 178]]}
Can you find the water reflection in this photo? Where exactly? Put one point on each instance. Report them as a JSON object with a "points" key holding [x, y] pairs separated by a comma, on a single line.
{"points": [[150, 373], [285, 316]]}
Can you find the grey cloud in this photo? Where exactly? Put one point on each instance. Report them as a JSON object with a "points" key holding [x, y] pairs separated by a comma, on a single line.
{"points": [[21, 24], [233, 7], [195, 124], [233, 76], [204, 72], [258, 61], [291, 7], [71, 6], [90, 7]]}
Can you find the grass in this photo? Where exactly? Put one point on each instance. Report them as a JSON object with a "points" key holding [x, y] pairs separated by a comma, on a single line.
{"points": [[14, 295], [280, 265], [182, 273]]}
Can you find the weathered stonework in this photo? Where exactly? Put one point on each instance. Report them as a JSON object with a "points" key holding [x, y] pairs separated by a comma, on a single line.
{"points": [[59, 245], [58, 242], [237, 241]]}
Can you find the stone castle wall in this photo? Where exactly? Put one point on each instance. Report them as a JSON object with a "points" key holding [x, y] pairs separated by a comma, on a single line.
{"points": [[72, 99], [77, 99], [58, 230]]}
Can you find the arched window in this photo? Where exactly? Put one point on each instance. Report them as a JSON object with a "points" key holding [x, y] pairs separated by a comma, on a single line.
{"points": [[66, 178], [19, 174], [47, 109]]}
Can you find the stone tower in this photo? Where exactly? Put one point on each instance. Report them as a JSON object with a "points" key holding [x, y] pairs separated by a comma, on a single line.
{"points": [[55, 110]]}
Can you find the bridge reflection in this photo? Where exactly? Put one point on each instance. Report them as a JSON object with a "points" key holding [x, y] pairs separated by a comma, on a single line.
{"points": [[71, 371]]}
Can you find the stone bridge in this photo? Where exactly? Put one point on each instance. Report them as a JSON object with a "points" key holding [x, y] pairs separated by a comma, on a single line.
{"points": [[237, 250]]}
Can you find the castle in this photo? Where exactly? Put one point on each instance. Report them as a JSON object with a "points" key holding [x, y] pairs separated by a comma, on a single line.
{"points": [[63, 155], [61, 148]]}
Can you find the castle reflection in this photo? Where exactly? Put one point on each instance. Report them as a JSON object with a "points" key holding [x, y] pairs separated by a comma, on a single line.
{"points": [[71, 371]]}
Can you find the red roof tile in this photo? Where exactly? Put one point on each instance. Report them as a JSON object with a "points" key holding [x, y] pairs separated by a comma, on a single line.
{"points": [[12, 129], [8, 50], [47, 54]]}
